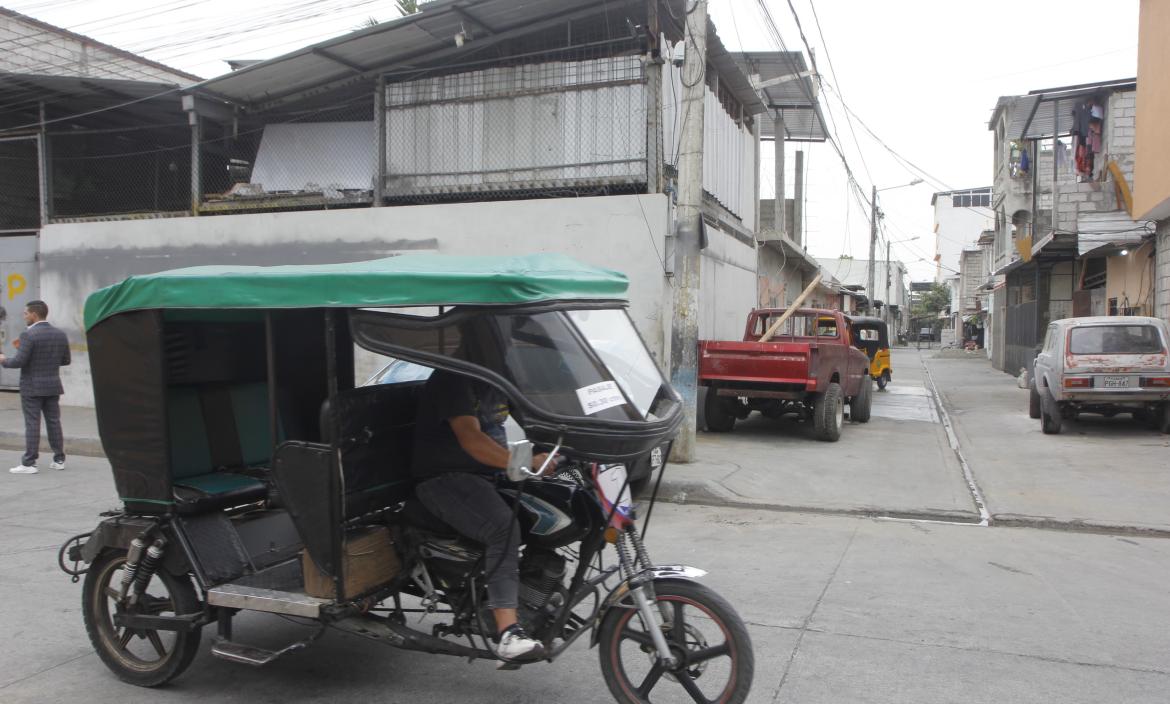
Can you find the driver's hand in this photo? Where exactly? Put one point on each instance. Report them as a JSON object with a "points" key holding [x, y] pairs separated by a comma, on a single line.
{"points": [[538, 461]]}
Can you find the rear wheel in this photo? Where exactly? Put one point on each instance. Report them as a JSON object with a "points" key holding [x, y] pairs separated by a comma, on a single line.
{"points": [[144, 657], [861, 404], [706, 636], [719, 417], [1033, 402], [883, 380], [829, 414], [1051, 418]]}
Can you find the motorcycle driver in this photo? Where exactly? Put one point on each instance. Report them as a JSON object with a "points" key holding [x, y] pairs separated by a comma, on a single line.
{"points": [[460, 446]]}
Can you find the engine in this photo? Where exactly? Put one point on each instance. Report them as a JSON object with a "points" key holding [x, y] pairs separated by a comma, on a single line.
{"points": [[541, 575]]}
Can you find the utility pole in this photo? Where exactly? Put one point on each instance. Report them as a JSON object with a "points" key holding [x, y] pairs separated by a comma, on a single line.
{"points": [[873, 216], [684, 335], [886, 300]]}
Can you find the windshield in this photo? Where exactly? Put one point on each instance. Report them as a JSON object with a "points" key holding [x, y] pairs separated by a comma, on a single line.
{"points": [[1115, 339], [613, 336], [583, 363]]}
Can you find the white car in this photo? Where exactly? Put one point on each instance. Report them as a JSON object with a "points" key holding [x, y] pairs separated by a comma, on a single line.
{"points": [[1106, 365]]}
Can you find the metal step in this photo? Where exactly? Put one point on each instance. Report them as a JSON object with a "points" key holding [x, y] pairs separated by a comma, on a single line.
{"points": [[239, 596], [249, 655]]}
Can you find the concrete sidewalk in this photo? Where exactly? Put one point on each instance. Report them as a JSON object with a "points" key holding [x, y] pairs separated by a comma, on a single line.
{"points": [[78, 424]]}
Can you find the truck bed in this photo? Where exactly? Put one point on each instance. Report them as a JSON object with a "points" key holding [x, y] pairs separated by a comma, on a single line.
{"points": [[783, 362]]}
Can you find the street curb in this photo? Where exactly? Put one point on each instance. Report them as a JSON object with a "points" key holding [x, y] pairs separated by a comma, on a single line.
{"points": [[88, 447], [711, 493], [1011, 520]]}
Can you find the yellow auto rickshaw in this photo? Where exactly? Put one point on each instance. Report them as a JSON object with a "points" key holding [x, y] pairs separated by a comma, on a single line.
{"points": [[872, 336]]}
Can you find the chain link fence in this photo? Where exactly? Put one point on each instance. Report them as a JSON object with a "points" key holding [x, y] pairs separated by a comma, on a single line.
{"points": [[20, 193]]}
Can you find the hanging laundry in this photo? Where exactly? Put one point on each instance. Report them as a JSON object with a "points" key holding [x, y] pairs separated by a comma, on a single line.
{"points": [[1024, 162]]}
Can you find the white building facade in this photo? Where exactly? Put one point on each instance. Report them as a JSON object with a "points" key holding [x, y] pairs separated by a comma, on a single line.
{"points": [[959, 218]]}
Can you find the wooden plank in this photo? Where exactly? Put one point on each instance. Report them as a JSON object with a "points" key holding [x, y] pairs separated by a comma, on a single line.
{"points": [[791, 309]]}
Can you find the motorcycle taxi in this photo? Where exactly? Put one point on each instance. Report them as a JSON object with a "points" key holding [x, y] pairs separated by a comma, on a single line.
{"points": [[872, 336], [254, 476]]}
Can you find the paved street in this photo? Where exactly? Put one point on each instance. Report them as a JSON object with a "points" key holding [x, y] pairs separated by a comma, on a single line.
{"points": [[847, 600]]}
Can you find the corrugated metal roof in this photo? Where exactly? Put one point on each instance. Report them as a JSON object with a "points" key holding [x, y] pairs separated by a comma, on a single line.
{"points": [[795, 100], [1047, 112], [428, 37]]}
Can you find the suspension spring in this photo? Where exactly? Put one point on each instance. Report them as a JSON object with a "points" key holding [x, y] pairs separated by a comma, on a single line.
{"points": [[149, 564], [623, 550], [133, 556], [639, 548]]}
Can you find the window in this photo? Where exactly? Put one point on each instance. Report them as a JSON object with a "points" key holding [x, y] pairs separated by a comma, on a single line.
{"points": [[1115, 339], [971, 200], [826, 327]]}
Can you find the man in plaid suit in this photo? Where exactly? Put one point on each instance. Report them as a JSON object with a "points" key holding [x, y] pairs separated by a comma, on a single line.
{"points": [[43, 351]]}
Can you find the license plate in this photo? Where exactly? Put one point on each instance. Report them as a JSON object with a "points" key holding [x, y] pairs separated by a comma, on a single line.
{"points": [[1115, 382]]}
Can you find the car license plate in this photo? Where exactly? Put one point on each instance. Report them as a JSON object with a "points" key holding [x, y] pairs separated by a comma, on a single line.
{"points": [[1115, 382]]}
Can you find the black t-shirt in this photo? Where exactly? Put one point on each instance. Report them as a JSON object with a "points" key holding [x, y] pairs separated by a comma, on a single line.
{"points": [[447, 395]]}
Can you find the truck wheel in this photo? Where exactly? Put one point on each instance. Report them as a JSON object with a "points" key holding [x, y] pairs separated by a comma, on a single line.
{"points": [[860, 405], [829, 414], [1051, 418], [1033, 402], [719, 418]]}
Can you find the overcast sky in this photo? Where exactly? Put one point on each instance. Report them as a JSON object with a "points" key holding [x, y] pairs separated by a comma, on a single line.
{"points": [[924, 75]]}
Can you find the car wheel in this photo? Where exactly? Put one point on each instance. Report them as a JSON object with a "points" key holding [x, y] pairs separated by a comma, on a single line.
{"points": [[719, 418], [829, 414], [860, 405], [1050, 415], [1164, 423], [1033, 402]]}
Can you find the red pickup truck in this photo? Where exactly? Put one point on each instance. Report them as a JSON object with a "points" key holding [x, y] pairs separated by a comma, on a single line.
{"points": [[810, 366]]}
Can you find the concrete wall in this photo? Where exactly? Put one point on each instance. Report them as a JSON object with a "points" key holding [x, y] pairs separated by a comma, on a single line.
{"points": [[780, 280], [1152, 188], [1130, 279], [728, 286], [956, 229], [621, 232], [34, 47]]}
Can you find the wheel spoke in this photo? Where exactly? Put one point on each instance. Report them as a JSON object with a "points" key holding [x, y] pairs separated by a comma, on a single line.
{"points": [[157, 643], [113, 593], [652, 678], [124, 639], [155, 605], [692, 689], [705, 654]]}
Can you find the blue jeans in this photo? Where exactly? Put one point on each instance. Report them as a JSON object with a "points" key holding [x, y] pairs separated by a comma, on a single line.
{"points": [[470, 504]]}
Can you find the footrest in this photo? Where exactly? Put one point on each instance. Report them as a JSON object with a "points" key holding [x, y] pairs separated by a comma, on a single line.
{"points": [[247, 654]]}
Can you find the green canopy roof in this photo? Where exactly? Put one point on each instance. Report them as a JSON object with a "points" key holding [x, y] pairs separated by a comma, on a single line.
{"points": [[410, 280]]}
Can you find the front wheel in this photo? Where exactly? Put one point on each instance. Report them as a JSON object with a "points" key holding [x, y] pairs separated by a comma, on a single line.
{"points": [[145, 657], [860, 405], [706, 637]]}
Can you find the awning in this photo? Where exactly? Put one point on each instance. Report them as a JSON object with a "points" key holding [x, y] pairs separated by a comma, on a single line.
{"points": [[789, 90], [1111, 228]]}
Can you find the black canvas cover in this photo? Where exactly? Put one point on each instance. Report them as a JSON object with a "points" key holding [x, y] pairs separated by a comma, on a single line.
{"points": [[127, 363]]}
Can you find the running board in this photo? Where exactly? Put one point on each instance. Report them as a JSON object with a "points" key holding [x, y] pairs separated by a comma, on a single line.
{"points": [[239, 596], [387, 631]]}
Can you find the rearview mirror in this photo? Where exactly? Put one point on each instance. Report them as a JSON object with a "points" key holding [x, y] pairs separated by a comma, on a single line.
{"points": [[519, 460]]}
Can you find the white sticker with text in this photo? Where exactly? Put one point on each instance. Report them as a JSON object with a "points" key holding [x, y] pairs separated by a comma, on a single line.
{"points": [[598, 397]]}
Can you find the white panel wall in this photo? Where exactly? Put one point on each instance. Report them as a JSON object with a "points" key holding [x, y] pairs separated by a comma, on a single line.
{"points": [[621, 232], [728, 149]]}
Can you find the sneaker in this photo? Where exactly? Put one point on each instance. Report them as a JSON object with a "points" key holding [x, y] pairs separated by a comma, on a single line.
{"points": [[515, 645], [23, 469], [56, 465]]}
